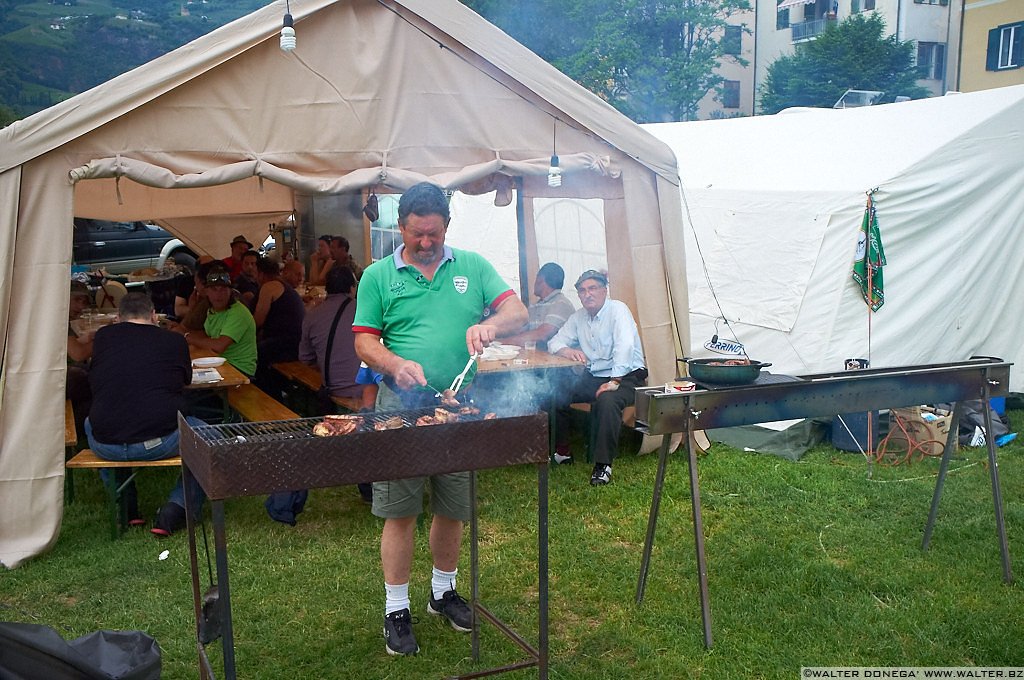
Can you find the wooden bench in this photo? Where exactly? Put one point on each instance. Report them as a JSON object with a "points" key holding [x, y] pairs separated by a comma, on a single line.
{"points": [[309, 378], [88, 460], [70, 431], [255, 405]]}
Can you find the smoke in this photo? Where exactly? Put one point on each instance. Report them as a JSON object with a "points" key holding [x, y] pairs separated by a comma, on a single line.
{"points": [[520, 392]]}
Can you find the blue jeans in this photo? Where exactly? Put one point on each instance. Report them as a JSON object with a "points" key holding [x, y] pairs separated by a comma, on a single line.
{"points": [[165, 447]]}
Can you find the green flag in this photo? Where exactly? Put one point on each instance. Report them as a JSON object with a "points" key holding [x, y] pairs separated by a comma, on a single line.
{"points": [[869, 251]]}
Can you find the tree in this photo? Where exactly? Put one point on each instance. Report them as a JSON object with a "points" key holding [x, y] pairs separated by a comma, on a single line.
{"points": [[852, 54], [654, 60]]}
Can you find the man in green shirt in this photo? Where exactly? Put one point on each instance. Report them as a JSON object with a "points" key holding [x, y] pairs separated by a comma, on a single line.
{"points": [[230, 330], [418, 319]]}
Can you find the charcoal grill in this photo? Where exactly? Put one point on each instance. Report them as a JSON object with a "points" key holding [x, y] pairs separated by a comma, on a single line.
{"points": [[812, 396], [244, 459]]}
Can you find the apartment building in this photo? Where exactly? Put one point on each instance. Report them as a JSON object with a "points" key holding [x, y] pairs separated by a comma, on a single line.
{"points": [[780, 26], [992, 48]]}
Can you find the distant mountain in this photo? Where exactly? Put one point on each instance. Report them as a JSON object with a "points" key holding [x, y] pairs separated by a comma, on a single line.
{"points": [[51, 50]]}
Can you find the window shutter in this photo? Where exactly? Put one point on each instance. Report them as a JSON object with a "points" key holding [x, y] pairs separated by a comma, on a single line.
{"points": [[992, 56], [1017, 49]]}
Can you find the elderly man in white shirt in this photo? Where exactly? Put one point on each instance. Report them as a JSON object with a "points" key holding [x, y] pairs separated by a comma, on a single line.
{"points": [[603, 336]]}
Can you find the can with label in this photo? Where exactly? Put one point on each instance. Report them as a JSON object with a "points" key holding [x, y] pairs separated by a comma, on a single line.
{"points": [[856, 364]]}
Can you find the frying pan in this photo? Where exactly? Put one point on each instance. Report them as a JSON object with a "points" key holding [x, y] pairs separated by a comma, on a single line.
{"points": [[714, 371]]}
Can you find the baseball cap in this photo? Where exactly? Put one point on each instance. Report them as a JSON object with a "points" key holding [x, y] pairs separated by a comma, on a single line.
{"points": [[600, 277]]}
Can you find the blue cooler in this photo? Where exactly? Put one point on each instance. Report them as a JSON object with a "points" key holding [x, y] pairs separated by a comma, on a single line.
{"points": [[998, 405], [858, 428]]}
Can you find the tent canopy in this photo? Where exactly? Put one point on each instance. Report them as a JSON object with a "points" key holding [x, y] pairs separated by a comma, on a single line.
{"points": [[773, 206], [215, 136]]}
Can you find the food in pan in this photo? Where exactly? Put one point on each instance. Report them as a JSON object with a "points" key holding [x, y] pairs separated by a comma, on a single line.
{"points": [[730, 362], [335, 425], [392, 423]]}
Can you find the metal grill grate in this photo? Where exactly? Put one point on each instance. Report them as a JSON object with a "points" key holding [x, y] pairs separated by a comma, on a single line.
{"points": [[284, 430]]}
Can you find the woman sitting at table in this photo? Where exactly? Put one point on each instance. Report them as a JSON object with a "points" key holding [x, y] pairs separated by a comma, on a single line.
{"points": [[138, 376]]}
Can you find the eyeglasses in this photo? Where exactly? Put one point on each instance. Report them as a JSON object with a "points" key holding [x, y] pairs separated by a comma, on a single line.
{"points": [[588, 290]]}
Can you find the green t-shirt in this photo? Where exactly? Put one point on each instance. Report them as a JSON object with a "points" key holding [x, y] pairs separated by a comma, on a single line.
{"points": [[426, 321], [237, 323]]}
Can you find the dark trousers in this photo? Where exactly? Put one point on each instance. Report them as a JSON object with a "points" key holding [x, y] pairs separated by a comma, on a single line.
{"points": [[605, 411]]}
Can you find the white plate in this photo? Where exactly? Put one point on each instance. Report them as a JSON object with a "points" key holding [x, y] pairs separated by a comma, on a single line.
{"points": [[494, 353], [208, 362]]}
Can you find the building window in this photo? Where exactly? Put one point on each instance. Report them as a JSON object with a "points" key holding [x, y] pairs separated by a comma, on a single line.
{"points": [[384, 234], [781, 17], [1005, 47], [731, 94], [732, 43], [869, 4], [930, 2], [931, 60]]}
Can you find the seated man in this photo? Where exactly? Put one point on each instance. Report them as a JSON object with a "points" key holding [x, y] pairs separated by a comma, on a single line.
{"points": [[76, 387], [604, 337], [246, 284], [190, 302], [333, 317], [293, 273], [233, 262], [138, 375], [229, 329], [549, 313]]}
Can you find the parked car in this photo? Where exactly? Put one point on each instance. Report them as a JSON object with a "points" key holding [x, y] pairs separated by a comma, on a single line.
{"points": [[122, 247]]}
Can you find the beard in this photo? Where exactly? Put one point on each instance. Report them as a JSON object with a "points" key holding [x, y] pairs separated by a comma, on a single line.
{"points": [[426, 257]]}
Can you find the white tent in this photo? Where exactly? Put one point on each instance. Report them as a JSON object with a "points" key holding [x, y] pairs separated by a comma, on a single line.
{"points": [[226, 132], [773, 206]]}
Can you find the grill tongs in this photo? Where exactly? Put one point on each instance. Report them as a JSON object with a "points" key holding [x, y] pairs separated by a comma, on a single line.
{"points": [[457, 383]]}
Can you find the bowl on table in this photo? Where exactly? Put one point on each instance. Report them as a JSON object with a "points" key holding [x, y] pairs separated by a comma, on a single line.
{"points": [[208, 362]]}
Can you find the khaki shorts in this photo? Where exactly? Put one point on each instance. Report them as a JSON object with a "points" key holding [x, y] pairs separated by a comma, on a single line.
{"points": [[449, 494]]}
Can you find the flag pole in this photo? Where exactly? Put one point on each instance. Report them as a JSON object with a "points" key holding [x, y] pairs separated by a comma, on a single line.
{"points": [[871, 296]]}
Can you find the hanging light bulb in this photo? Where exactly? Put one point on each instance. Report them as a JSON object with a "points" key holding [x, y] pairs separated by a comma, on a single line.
{"points": [[288, 34], [554, 173]]}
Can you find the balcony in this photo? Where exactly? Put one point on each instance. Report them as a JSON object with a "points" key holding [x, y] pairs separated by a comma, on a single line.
{"points": [[809, 30]]}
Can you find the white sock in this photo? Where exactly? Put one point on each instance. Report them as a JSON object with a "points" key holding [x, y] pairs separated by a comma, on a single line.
{"points": [[442, 581], [396, 598]]}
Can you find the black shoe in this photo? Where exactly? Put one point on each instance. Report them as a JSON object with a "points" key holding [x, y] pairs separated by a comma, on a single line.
{"points": [[453, 607], [171, 518], [398, 637], [366, 493], [601, 475]]}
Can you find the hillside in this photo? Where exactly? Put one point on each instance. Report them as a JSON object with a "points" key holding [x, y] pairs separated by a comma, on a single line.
{"points": [[50, 51]]}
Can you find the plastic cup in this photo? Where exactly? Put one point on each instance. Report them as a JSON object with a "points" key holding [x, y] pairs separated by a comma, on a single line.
{"points": [[530, 345]]}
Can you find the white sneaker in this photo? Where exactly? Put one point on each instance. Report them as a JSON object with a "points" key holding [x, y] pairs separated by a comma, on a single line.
{"points": [[602, 475], [562, 460]]}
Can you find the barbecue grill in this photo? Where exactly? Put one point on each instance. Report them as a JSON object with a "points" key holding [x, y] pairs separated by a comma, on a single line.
{"points": [[244, 459], [785, 397]]}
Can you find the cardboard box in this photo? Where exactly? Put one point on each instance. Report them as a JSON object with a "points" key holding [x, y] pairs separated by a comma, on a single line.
{"points": [[925, 427]]}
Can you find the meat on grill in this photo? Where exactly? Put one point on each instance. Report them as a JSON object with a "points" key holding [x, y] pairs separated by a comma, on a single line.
{"points": [[335, 425], [392, 423], [448, 398]]}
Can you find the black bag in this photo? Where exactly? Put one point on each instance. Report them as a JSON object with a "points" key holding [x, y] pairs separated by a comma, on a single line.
{"points": [[29, 651]]}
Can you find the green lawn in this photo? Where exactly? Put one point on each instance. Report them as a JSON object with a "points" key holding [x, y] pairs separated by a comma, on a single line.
{"points": [[810, 563]]}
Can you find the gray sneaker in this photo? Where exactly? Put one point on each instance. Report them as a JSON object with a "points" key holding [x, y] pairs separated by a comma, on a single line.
{"points": [[453, 607], [398, 637]]}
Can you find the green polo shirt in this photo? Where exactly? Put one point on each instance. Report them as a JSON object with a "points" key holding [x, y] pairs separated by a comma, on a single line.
{"points": [[237, 323], [426, 321]]}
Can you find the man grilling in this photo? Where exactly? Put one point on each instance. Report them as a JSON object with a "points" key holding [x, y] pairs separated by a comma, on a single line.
{"points": [[603, 336], [417, 322]]}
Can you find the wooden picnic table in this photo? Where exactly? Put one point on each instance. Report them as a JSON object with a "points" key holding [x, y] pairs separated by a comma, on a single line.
{"points": [[231, 376]]}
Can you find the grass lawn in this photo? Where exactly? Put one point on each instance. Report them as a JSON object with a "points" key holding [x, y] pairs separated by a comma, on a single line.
{"points": [[810, 563]]}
